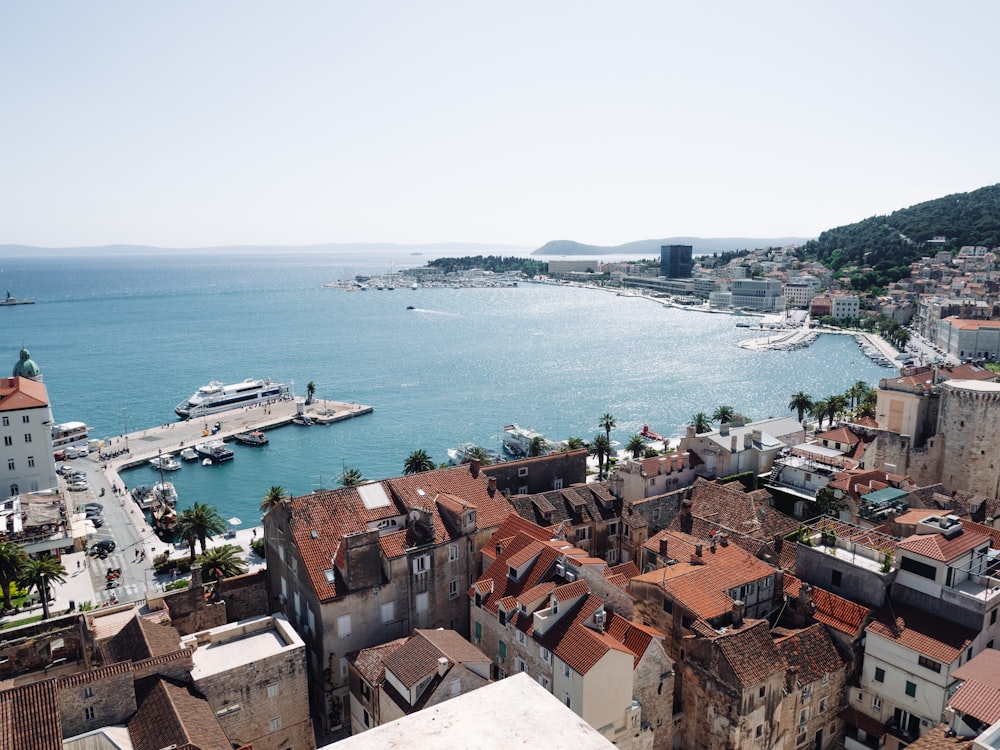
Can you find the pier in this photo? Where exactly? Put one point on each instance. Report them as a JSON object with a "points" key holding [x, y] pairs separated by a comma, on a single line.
{"points": [[172, 437]]}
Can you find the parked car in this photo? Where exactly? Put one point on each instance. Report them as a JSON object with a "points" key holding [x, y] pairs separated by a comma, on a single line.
{"points": [[70, 452], [98, 521], [78, 485], [96, 506], [105, 547], [92, 512], [82, 451], [65, 469]]}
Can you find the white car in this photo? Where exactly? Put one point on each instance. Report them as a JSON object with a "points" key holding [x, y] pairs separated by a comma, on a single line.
{"points": [[78, 485], [82, 451]]}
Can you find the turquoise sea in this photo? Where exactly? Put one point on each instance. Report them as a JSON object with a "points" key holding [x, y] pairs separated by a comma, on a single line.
{"points": [[121, 340]]}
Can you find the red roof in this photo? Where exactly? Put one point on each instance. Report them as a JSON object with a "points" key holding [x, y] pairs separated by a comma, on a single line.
{"points": [[832, 610], [21, 393], [751, 653], [810, 653], [937, 547], [922, 632]]}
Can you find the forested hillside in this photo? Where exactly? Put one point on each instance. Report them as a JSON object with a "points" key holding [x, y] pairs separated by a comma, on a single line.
{"points": [[888, 244]]}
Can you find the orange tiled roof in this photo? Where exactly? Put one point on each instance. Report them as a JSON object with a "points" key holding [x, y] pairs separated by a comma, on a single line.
{"points": [[629, 570], [575, 643], [977, 699], [173, 714], [937, 547], [811, 653], [29, 717], [369, 661], [635, 637], [832, 610], [922, 632], [21, 393], [751, 653]]}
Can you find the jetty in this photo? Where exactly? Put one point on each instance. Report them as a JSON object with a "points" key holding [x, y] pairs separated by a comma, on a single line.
{"points": [[172, 437]]}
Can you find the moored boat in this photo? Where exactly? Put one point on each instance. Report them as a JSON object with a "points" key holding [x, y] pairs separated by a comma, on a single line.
{"points": [[165, 462], [218, 396], [214, 451], [189, 454], [256, 437], [521, 442]]}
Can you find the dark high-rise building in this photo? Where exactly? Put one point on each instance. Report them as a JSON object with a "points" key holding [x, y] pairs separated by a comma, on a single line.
{"points": [[675, 261]]}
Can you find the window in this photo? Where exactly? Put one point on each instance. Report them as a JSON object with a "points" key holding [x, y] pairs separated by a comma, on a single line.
{"points": [[877, 703], [344, 626], [25, 419], [582, 534], [557, 484], [835, 577], [8, 440], [993, 617], [272, 690], [521, 637], [453, 589], [31, 461], [88, 692], [930, 664], [668, 606], [452, 552], [89, 713], [10, 464], [543, 681], [420, 563], [522, 471], [275, 724], [613, 528], [763, 691], [367, 718], [567, 672], [479, 632], [422, 600], [567, 700], [6, 421], [295, 565], [27, 437], [879, 674], [545, 654], [388, 612], [522, 490], [760, 729], [343, 667], [822, 705], [911, 689], [612, 556], [502, 650], [331, 577], [519, 664]]}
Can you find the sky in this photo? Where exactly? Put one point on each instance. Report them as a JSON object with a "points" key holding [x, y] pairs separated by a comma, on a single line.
{"points": [[235, 122]]}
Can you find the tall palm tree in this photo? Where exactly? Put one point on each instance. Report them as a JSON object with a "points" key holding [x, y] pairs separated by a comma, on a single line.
{"points": [[225, 560], [868, 405], [12, 560], [819, 410], [38, 573], [608, 423], [636, 446], [207, 521], [351, 476], [186, 530], [801, 402], [417, 462], [600, 446], [836, 406], [310, 391], [701, 423], [723, 414], [273, 497]]}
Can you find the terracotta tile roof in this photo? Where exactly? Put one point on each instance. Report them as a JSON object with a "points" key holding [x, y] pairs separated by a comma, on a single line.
{"points": [[369, 661], [581, 503], [937, 738], [983, 667], [937, 547], [502, 585], [810, 654], [839, 435], [173, 714], [141, 639], [29, 717], [94, 675], [702, 588], [416, 659], [977, 699], [393, 545], [453, 645], [570, 590], [332, 514], [832, 610], [922, 632], [536, 594], [617, 580], [575, 643], [629, 570], [751, 653], [21, 393], [729, 508], [872, 727], [635, 637]]}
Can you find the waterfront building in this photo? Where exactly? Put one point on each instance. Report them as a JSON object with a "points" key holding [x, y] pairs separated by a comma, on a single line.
{"points": [[969, 338], [800, 290], [759, 295], [359, 566], [735, 448], [25, 427], [637, 478], [675, 261]]}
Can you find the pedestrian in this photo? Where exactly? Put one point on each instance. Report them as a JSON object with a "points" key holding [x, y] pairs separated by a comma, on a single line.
{"points": [[254, 535], [77, 564]]}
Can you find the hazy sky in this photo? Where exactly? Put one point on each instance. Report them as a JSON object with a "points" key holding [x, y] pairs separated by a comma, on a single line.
{"points": [[205, 123]]}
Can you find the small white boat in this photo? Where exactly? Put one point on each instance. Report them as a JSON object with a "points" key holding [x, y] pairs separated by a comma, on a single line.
{"points": [[206, 462], [165, 462], [189, 454]]}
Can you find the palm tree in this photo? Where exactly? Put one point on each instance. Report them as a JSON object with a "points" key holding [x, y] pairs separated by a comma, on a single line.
{"points": [[600, 446], [574, 443], [537, 446], [819, 410], [310, 391], [868, 405], [12, 560], [351, 476], [723, 414], [607, 423], [417, 462], [701, 423], [224, 560], [801, 402], [479, 453], [636, 445], [207, 522], [274, 496], [185, 530], [38, 573], [836, 406]]}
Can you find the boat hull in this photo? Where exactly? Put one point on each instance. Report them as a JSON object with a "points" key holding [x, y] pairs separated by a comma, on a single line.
{"points": [[218, 397]]}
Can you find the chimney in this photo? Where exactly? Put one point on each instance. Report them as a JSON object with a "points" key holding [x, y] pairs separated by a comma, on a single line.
{"points": [[779, 542], [747, 440], [698, 548], [738, 608], [663, 546], [686, 458], [474, 467], [732, 444], [690, 431], [805, 604], [724, 539], [196, 580], [724, 428], [442, 666], [663, 465], [491, 486]]}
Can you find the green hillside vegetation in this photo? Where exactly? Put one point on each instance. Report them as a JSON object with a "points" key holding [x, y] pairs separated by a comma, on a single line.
{"points": [[494, 263], [877, 251]]}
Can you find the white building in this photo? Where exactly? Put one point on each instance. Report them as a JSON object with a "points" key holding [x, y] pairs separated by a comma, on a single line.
{"points": [[845, 306], [800, 290], [26, 464], [763, 295]]}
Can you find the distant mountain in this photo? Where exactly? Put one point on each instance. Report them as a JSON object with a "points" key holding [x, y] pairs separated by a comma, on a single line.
{"points": [[333, 248], [651, 248], [890, 243]]}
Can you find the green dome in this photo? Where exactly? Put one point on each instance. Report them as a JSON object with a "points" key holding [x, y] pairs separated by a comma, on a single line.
{"points": [[26, 367]]}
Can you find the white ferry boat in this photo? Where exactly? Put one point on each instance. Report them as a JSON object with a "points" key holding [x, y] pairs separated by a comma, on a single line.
{"points": [[68, 432], [517, 441], [218, 396]]}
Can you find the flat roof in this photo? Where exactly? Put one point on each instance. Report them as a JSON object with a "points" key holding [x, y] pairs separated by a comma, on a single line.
{"points": [[229, 646]]}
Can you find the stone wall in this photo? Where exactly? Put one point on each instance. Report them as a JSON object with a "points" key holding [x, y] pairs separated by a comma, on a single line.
{"points": [[86, 704], [542, 472], [970, 420], [34, 647], [245, 596]]}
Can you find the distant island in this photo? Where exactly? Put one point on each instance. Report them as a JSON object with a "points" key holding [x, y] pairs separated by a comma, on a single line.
{"points": [[641, 248]]}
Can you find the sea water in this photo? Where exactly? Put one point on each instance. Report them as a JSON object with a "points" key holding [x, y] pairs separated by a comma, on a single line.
{"points": [[120, 341]]}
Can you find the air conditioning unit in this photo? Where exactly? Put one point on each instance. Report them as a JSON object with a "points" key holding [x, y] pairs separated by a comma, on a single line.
{"points": [[599, 619]]}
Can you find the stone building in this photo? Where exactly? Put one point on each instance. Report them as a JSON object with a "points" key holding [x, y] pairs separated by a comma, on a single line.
{"points": [[532, 612], [736, 448], [411, 674], [638, 478], [359, 566], [528, 476]]}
